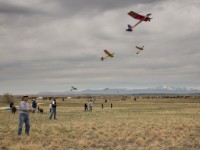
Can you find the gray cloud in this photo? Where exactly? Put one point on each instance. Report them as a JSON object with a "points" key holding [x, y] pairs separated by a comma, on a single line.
{"points": [[50, 45], [90, 7], [9, 8]]}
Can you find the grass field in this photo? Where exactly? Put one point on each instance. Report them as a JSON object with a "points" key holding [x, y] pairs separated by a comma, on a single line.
{"points": [[145, 124]]}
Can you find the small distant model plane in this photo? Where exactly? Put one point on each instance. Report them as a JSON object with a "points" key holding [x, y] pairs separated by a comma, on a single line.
{"points": [[139, 49], [73, 88], [138, 17], [108, 55]]}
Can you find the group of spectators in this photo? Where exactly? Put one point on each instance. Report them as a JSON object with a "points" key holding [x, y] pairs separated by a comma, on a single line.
{"points": [[24, 111], [88, 106]]}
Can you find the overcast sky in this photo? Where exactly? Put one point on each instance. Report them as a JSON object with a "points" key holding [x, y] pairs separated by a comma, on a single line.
{"points": [[49, 45]]}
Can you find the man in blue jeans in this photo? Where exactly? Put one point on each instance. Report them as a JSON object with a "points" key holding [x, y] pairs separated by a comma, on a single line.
{"points": [[24, 110]]}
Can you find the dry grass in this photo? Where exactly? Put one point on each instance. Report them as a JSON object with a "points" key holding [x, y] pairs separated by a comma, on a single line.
{"points": [[144, 124]]}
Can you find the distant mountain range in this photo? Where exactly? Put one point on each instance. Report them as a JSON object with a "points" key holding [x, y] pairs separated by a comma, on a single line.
{"points": [[158, 90]]}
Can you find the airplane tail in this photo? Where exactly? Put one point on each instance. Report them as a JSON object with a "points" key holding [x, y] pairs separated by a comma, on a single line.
{"points": [[129, 30]]}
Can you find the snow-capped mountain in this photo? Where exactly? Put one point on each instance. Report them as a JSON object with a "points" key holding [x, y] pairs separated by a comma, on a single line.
{"points": [[158, 90], [165, 87]]}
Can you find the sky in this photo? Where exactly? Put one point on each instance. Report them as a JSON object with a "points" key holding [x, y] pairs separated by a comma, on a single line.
{"points": [[50, 45]]}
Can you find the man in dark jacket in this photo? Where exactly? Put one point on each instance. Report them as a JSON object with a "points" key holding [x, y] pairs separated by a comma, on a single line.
{"points": [[34, 105], [86, 106], [11, 104]]}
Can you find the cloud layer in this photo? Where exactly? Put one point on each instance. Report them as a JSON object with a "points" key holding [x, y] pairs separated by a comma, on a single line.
{"points": [[49, 45]]}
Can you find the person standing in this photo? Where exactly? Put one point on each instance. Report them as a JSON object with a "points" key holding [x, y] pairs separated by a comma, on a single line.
{"points": [[11, 104], [90, 105], [86, 106], [12, 107], [24, 110], [53, 109], [34, 105], [102, 105]]}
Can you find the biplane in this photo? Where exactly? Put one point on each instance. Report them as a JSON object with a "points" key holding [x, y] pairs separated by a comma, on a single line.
{"points": [[110, 55]]}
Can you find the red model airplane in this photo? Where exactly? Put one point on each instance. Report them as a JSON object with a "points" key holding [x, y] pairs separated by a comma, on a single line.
{"points": [[138, 17]]}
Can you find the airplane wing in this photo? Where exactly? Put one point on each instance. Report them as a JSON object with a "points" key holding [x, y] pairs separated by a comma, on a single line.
{"points": [[138, 16], [108, 53], [139, 48], [7, 108], [135, 15], [143, 19]]}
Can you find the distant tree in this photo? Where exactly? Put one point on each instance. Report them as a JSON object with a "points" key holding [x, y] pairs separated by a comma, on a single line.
{"points": [[8, 98]]}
